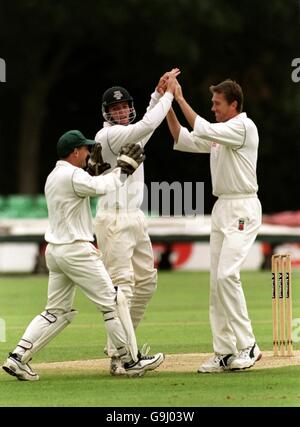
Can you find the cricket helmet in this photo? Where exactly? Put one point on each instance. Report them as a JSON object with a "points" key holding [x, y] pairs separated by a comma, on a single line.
{"points": [[114, 95]]}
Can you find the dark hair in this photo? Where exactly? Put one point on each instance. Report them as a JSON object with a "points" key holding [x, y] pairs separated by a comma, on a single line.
{"points": [[232, 92]]}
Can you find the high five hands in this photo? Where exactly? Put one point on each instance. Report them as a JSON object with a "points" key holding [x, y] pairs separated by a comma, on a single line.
{"points": [[168, 81]]}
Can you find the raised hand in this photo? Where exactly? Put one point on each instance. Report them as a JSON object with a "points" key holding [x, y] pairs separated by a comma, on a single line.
{"points": [[162, 84], [178, 92], [172, 85]]}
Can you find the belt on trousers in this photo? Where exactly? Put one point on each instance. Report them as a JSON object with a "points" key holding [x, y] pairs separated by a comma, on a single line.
{"points": [[117, 209], [238, 196]]}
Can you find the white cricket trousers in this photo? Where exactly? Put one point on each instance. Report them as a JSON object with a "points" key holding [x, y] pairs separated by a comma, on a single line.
{"points": [[79, 263], [235, 223], [123, 239]]}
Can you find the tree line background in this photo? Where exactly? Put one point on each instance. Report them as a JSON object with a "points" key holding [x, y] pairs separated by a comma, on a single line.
{"points": [[62, 54]]}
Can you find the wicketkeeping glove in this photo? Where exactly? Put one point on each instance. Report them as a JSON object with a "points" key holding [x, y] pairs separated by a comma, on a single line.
{"points": [[130, 158], [96, 166]]}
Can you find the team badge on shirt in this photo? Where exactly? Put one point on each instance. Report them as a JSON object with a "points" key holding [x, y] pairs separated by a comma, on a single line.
{"points": [[241, 224]]}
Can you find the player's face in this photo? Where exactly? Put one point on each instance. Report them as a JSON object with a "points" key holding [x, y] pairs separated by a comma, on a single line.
{"points": [[120, 113], [222, 109], [82, 156]]}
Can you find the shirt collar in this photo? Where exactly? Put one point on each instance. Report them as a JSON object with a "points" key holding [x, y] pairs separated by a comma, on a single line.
{"points": [[64, 163], [106, 124]]}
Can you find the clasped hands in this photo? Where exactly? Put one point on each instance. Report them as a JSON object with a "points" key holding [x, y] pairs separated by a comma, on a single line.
{"points": [[168, 82]]}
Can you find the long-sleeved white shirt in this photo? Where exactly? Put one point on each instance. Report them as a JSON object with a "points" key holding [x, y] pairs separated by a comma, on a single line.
{"points": [[113, 137], [67, 192], [233, 147]]}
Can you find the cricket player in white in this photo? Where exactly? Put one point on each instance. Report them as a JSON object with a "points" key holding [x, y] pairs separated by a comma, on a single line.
{"points": [[233, 144], [73, 260], [120, 225]]}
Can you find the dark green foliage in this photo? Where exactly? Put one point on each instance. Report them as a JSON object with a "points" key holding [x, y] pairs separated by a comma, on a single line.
{"points": [[61, 56]]}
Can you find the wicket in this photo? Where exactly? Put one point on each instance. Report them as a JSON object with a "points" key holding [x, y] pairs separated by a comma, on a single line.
{"points": [[282, 304]]}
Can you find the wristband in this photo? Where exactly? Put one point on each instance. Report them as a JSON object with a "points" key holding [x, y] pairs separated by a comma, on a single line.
{"points": [[129, 160]]}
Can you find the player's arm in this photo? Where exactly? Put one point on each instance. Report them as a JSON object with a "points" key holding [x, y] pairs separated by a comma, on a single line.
{"points": [[129, 159], [173, 124], [185, 140], [187, 110], [158, 93], [231, 133], [191, 143], [86, 185], [118, 135], [154, 98]]}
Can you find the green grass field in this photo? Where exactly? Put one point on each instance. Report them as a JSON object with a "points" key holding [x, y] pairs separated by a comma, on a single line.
{"points": [[176, 322]]}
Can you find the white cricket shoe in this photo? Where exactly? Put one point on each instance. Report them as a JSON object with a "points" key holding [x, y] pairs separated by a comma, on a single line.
{"points": [[246, 358], [116, 366], [22, 371], [144, 364], [217, 363]]}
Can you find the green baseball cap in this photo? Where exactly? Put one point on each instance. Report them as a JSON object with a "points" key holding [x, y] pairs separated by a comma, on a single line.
{"points": [[70, 140]]}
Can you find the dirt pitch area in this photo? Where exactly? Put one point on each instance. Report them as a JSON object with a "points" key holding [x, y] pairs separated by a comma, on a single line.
{"points": [[172, 363]]}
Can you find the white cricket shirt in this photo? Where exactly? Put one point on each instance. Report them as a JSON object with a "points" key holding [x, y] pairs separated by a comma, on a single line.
{"points": [[67, 192], [113, 137], [233, 147]]}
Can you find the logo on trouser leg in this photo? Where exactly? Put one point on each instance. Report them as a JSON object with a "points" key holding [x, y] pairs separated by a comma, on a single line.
{"points": [[241, 224]]}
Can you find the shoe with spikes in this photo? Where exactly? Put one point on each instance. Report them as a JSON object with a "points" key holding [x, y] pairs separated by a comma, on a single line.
{"points": [[217, 363], [23, 371], [145, 363], [116, 367], [246, 358]]}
